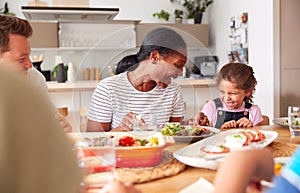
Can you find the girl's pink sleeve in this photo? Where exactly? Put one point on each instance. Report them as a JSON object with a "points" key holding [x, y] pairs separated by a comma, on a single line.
{"points": [[255, 115]]}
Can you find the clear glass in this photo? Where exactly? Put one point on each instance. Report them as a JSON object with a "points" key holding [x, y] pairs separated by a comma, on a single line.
{"points": [[294, 120], [96, 157], [145, 122]]}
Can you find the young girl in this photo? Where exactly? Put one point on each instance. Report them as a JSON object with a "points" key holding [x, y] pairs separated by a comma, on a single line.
{"points": [[236, 84]]}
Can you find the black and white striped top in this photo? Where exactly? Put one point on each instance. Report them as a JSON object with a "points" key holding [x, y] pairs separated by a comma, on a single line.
{"points": [[114, 97]]}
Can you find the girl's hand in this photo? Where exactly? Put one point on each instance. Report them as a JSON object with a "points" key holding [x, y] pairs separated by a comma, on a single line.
{"points": [[244, 122], [127, 122], [229, 124], [200, 119]]}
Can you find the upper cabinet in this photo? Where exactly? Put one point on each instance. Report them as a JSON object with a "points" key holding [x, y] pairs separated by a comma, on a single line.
{"points": [[107, 35], [195, 35], [45, 34]]}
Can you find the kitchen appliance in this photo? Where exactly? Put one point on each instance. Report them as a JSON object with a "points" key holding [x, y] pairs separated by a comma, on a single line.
{"points": [[69, 13], [205, 66]]}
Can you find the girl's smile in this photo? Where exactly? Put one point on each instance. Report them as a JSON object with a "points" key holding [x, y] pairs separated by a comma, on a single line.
{"points": [[232, 96]]}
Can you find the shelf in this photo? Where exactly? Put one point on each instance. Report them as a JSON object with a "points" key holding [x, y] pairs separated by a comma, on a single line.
{"points": [[53, 86], [77, 49], [91, 48]]}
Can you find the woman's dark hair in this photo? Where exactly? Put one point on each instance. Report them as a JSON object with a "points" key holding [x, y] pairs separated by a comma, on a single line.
{"points": [[128, 63], [240, 74], [12, 25], [164, 40]]}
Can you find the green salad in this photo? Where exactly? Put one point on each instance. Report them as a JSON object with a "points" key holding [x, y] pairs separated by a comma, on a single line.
{"points": [[174, 129]]}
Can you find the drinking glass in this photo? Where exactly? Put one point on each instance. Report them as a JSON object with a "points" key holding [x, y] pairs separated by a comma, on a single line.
{"points": [[294, 120], [96, 158], [144, 123]]}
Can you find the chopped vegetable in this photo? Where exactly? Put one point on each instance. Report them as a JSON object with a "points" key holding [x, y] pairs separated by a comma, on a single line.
{"points": [[154, 140], [126, 141], [172, 129]]}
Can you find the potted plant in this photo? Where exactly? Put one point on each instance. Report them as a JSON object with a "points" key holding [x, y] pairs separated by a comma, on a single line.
{"points": [[5, 10], [162, 15], [178, 15], [194, 8]]}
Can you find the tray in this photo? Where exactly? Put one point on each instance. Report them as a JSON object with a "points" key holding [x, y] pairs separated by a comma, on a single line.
{"points": [[193, 156], [282, 121]]}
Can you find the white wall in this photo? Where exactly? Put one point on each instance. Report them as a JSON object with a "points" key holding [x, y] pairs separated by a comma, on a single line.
{"points": [[261, 34], [260, 15]]}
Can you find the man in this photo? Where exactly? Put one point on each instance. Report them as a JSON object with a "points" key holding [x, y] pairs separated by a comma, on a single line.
{"points": [[15, 52], [35, 155]]}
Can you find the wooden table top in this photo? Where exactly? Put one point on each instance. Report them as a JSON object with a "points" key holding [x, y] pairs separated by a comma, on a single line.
{"points": [[191, 174]]}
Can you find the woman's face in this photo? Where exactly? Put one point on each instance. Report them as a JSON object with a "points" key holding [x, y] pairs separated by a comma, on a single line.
{"points": [[232, 96], [170, 67]]}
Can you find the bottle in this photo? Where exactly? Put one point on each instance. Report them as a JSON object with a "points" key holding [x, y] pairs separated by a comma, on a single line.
{"points": [[83, 119], [61, 74], [97, 74], [92, 73], [86, 74], [71, 73]]}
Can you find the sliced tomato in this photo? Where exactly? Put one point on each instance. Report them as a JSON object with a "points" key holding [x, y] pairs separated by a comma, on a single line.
{"points": [[261, 135], [248, 138], [255, 137]]}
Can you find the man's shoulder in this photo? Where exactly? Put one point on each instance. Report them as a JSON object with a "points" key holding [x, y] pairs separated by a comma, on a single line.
{"points": [[35, 75]]}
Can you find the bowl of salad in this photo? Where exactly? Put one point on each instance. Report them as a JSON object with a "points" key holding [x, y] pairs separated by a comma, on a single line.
{"points": [[188, 133]]}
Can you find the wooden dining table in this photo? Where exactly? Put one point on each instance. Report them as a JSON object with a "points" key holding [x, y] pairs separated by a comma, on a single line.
{"points": [[192, 174]]}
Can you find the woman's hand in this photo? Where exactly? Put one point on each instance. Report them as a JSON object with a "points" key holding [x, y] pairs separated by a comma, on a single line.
{"points": [[127, 122]]}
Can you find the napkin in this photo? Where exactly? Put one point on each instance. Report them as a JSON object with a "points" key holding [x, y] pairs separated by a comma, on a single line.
{"points": [[201, 184]]}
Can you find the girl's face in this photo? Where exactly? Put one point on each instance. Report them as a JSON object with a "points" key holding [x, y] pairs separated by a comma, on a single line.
{"points": [[232, 96]]}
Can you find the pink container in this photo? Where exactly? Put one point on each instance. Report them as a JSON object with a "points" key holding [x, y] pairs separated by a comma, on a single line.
{"points": [[131, 156]]}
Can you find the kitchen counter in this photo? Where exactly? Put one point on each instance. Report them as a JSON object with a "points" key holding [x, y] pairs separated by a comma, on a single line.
{"points": [[53, 86]]}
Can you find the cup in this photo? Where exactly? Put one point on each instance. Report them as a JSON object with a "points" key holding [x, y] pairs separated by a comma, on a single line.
{"points": [[97, 160], [144, 122], [294, 120]]}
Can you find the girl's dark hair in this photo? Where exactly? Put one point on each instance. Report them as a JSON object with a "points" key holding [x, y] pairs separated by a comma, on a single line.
{"points": [[164, 40], [12, 25], [240, 74]]}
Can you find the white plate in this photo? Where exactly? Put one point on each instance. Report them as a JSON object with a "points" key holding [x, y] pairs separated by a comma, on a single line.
{"points": [[284, 160], [192, 156], [281, 121], [192, 139]]}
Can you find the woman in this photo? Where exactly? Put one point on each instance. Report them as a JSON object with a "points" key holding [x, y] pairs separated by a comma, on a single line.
{"points": [[146, 89]]}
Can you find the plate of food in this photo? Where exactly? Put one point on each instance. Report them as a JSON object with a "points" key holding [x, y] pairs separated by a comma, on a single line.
{"points": [[209, 152], [280, 162], [283, 121], [131, 150], [188, 133]]}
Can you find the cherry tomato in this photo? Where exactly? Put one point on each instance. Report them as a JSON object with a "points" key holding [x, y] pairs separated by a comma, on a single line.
{"points": [[126, 141]]}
